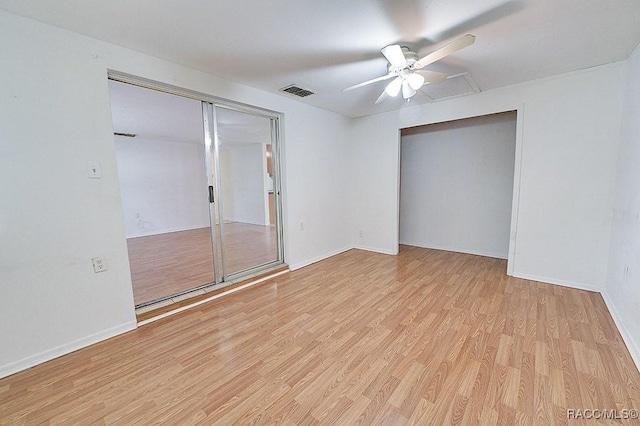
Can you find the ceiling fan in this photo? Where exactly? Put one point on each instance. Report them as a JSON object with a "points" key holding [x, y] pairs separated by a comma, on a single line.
{"points": [[408, 71]]}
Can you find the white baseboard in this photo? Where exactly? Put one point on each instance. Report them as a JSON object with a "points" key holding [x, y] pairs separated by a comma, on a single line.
{"points": [[166, 231], [456, 250], [547, 280], [48, 355], [376, 250], [633, 348], [298, 265]]}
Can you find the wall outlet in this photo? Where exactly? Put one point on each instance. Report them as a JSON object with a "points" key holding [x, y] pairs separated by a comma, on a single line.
{"points": [[361, 234], [302, 226], [99, 264]]}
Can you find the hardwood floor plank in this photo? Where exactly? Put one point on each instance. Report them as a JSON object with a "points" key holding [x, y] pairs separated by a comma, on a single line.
{"points": [[166, 264], [425, 337]]}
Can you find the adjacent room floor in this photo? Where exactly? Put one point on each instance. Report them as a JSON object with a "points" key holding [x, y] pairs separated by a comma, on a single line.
{"points": [[166, 264], [427, 337]]}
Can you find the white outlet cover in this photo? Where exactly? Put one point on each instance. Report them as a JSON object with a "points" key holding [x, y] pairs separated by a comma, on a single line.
{"points": [[99, 264]]}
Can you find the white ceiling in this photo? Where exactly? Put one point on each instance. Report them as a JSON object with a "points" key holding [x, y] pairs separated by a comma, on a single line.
{"points": [[328, 45], [155, 115], [160, 116], [239, 128]]}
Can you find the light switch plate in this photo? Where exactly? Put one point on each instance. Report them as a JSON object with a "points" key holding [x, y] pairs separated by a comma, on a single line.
{"points": [[94, 171]]}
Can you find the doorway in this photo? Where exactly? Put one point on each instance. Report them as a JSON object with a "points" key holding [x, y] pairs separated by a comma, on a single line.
{"points": [[457, 185], [199, 181]]}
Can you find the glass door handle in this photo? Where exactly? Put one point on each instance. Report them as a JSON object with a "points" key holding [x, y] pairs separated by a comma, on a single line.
{"points": [[211, 199]]}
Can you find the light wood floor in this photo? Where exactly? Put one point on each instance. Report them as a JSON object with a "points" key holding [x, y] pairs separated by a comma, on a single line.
{"points": [[166, 264], [427, 337]]}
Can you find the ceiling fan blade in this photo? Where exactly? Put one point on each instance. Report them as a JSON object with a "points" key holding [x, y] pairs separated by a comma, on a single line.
{"points": [[382, 97], [433, 77], [394, 55], [355, 86], [447, 50]]}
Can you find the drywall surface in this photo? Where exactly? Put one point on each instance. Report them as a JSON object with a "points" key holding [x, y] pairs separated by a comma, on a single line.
{"points": [[623, 279], [163, 185], [242, 175], [456, 185], [56, 121], [566, 153]]}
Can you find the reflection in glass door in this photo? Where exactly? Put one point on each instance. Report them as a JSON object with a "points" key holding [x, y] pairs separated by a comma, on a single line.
{"points": [[245, 175], [199, 181], [159, 144]]}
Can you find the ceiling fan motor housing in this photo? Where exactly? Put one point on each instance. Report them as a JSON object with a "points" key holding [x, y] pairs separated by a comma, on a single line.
{"points": [[410, 58]]}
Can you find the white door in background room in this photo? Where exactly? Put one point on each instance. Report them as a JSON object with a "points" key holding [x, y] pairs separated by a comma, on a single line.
{"points": [[195, 181]]}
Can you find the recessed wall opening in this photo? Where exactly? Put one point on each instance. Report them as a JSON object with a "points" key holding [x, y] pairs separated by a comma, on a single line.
{"points": [[457, 185]]}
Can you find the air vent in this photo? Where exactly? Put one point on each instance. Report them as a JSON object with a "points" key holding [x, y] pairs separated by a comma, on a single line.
{"points": [[298, 91], [126, 135]]}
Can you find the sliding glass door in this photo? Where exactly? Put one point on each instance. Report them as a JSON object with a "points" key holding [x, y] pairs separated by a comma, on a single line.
{"points": [[243, 182], [159, 145], [245, 179], [206, 211]]}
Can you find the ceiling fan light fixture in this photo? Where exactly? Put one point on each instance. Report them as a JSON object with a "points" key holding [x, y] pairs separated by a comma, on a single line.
{"points": [[415, 80], [407, 90], [394, 87]]}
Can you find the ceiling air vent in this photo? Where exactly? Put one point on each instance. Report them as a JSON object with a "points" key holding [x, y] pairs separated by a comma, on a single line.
{"points": [[298, 91], [126, 135]]}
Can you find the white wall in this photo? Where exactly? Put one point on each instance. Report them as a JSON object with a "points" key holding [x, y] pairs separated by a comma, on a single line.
{"points": [[456, 185], [242, 180], [622, 291], [55, 118], [566, 157], [163, 182]]}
